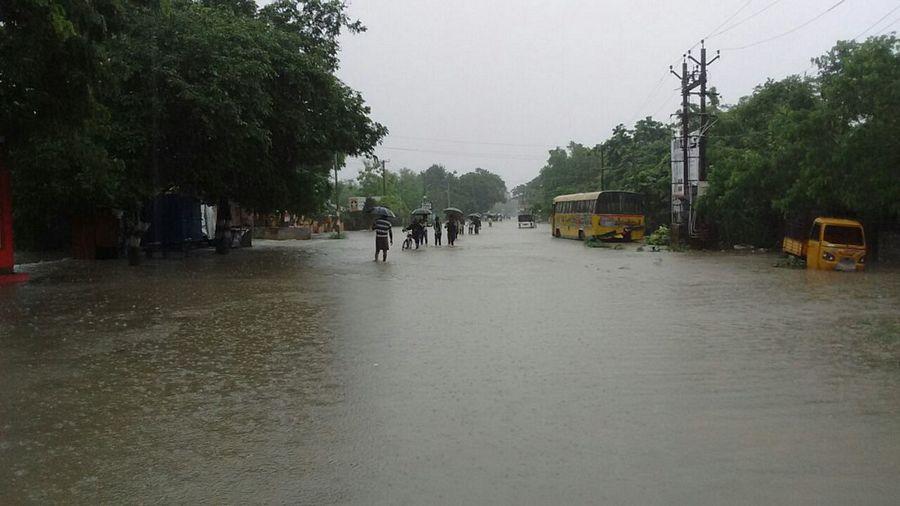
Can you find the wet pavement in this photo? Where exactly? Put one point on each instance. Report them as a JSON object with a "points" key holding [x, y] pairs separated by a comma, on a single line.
{"points": [[513, 369]]}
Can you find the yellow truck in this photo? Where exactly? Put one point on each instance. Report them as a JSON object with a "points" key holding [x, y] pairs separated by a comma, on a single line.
{"points": [[834, 244]]}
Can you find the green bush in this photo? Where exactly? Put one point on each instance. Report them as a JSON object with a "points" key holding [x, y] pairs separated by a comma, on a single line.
{"points": [[659, 237]]}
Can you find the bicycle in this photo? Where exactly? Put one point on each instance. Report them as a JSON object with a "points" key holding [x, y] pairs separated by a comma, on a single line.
{"points": [[408, 242]]}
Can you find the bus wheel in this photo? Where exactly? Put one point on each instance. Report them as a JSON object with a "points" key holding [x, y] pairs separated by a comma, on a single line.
{"points": [[581, 235], [556, 233]]}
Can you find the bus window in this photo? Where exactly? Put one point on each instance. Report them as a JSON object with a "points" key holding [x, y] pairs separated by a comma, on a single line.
{"points": [[603, 204], [631, 204]]}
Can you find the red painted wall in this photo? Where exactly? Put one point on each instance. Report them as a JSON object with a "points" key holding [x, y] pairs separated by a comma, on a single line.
{"points": [[6, 222]]}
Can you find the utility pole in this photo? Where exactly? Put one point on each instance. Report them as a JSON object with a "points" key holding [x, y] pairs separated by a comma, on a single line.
{"points": [[683, 227], [689, 81], [337, 204], [704, 117], [602, 166]]}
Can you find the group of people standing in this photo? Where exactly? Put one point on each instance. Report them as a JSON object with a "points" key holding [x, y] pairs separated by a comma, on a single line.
{"points": [[418, 230]]}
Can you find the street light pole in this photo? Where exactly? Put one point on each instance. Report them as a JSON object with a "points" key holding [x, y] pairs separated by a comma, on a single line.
{"points": [[449, 176], [383, 178]]}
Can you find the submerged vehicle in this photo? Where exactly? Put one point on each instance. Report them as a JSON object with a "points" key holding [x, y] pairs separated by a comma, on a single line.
{"points": [[834, 244], [606, 215]]}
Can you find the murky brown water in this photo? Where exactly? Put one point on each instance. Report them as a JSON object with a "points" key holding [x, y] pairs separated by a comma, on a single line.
{"points": [[512, 369]]}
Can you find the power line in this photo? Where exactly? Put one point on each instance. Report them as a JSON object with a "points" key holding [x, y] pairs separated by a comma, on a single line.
{"points": [[744, 20], [501, 156], [877, 22], [792, 30], [662, 78], [652, 94], [888, 27], [456, 141], [723, 23], [667, 101]]}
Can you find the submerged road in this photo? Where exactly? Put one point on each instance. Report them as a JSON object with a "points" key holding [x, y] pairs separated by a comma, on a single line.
{"points": [[513, 369]]}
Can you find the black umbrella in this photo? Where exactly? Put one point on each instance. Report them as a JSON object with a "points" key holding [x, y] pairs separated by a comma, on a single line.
{"points": [[421, 212], [453, 210], [382, 211]]}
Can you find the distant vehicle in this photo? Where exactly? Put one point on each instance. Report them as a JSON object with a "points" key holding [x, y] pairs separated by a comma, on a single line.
{"points": [[606, 215], [833, 244], [526, 221]]}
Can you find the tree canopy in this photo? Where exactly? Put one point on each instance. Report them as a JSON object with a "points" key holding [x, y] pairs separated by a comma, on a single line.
{"points": [[828, 143], [405, 190], [113, 101], [634, 159]]}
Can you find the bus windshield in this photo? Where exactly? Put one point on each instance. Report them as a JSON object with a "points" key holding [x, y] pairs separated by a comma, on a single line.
{"points": [[619, 203]]}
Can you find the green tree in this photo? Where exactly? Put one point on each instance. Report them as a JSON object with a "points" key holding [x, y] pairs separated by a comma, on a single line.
{"points": [[212, 98], [436, 182], [410, 188], [479, 190], [55, 130], [804, 146]]}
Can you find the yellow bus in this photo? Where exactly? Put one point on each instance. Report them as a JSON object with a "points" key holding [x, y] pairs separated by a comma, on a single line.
{"points": [[606, 215]]}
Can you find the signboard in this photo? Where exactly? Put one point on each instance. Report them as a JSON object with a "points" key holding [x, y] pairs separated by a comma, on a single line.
{"points": [[358, 204], [677, 157]]}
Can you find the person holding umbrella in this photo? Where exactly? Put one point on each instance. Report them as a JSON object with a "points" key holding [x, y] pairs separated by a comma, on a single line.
{"points": [[422, 214], [452, 230], [383, 232], [453, 215]]}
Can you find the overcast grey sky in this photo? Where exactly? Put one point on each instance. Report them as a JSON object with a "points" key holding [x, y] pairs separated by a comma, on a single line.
{"points": [[496, 83]]}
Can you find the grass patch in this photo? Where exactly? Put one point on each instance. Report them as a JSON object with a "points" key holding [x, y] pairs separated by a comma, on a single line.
{"points": [[887, 334], [790, 262], [593, 242], [677, 247], [337, 235]]}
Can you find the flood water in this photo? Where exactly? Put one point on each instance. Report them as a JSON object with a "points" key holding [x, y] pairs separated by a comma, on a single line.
{"points": [[513, 369]]}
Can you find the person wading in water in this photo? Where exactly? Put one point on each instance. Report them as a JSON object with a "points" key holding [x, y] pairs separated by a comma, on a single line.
{"points": [[452, 230], [383, 232], [437, 231]]}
